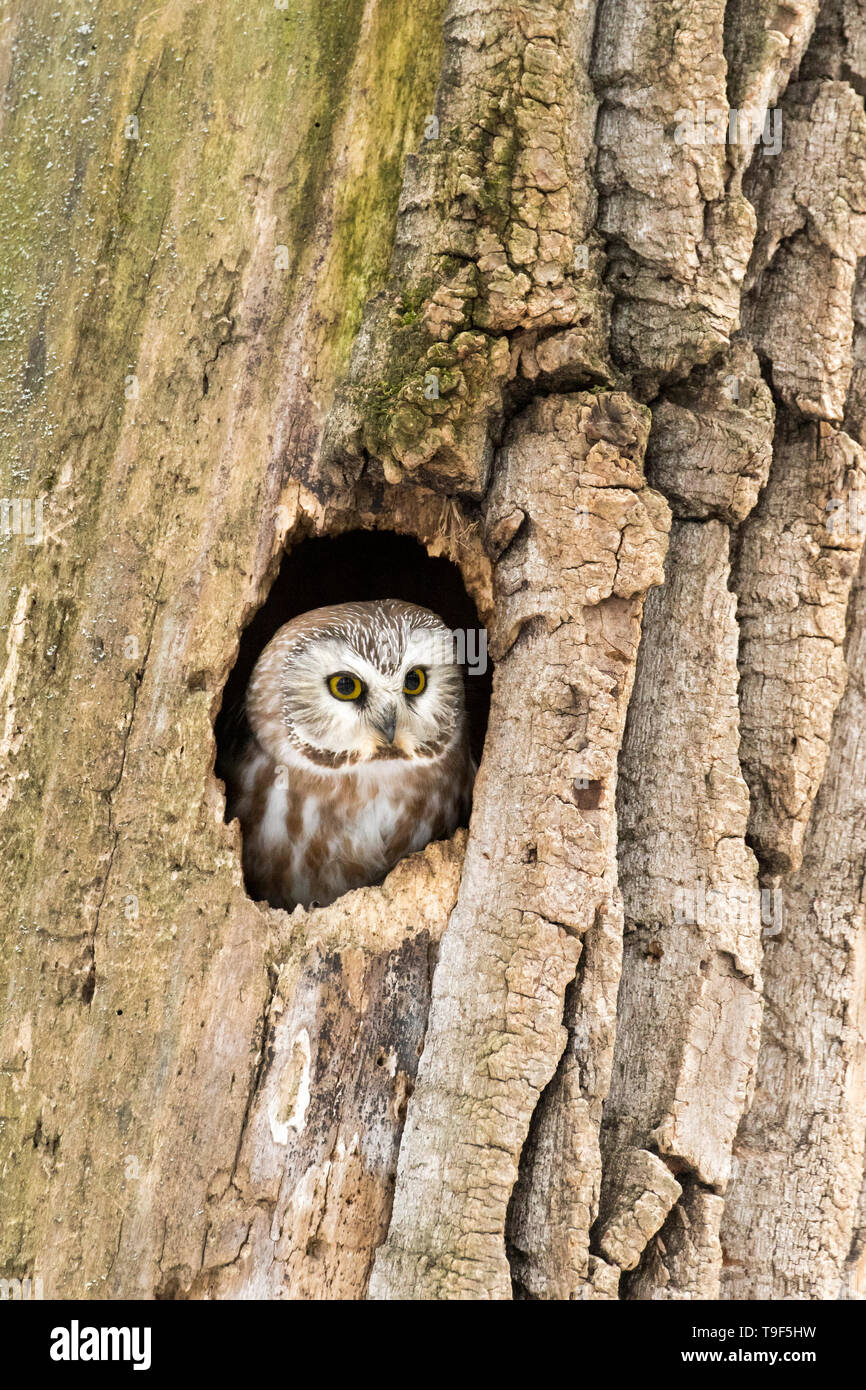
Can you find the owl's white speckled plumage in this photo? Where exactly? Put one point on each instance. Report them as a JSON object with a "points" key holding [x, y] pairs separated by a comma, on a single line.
{"points": [[331, 791]]}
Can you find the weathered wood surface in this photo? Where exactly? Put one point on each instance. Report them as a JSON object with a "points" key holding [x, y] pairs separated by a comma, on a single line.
{"points": [[488, 275]]}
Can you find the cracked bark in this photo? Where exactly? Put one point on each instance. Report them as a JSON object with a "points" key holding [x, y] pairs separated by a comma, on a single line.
{"points": [[610, 1043], [532, 886]]}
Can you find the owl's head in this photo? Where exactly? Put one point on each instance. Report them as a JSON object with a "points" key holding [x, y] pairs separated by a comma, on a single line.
{"points": [[357, 682]]}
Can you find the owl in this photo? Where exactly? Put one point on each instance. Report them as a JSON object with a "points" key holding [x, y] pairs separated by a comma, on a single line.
{"points": [[357, 751]]}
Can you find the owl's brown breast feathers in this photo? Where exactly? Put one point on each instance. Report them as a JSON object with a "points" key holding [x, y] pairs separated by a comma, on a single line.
{"points": [[310, 837]]}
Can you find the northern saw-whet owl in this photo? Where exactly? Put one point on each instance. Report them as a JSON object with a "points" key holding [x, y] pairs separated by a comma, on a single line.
{"points": [[358, 750]]}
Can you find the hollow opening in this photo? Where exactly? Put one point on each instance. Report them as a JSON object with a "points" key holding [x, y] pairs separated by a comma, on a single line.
{"points": [[355, 566]]}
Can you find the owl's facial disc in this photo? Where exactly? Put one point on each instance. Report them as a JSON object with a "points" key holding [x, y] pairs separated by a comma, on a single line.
{"points": [[402, 693]]}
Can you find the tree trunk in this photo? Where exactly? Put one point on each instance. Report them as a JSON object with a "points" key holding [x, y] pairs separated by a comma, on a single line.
{"points": [[572, 294]]}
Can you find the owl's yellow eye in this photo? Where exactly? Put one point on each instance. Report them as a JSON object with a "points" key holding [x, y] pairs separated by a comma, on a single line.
{"points": [[414, 682], [344, 686]]}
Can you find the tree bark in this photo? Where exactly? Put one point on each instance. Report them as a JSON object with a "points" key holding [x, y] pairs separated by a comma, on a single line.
{"points": [[573, 294]]}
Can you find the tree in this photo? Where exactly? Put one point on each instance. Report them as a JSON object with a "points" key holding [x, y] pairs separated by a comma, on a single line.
{"points": [[572, 295]]}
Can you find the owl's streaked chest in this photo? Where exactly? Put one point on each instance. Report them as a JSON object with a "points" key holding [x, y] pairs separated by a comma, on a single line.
{"points": [[309, 837]]}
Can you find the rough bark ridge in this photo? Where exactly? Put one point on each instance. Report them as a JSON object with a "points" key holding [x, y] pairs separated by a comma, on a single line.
{"points": [[565, 636], [539, 284]]}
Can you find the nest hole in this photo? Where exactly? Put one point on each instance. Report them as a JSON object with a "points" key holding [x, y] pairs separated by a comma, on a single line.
{"points": [[360, 565]]}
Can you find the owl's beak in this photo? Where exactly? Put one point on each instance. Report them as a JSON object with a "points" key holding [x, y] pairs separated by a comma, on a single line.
{"points": [[387, 724]]}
